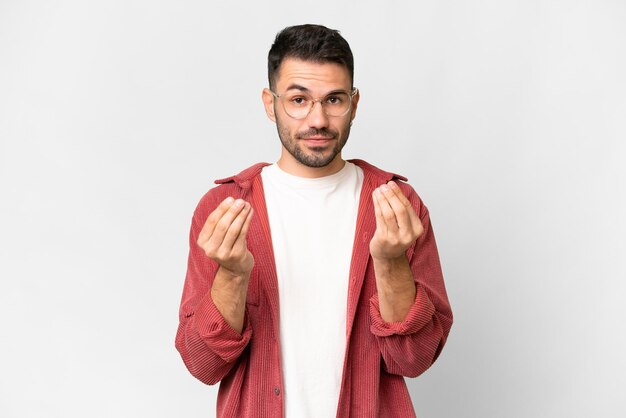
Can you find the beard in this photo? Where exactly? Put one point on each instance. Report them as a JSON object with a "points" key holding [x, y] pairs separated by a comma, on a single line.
{"points": [[314, 156]]}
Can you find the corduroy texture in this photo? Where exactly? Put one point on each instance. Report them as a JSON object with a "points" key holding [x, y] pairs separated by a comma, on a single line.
{"points": [[378, 354]]}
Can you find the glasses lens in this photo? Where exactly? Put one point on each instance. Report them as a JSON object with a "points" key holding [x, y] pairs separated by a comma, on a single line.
{"points": [[298, 105], [336, 104]]}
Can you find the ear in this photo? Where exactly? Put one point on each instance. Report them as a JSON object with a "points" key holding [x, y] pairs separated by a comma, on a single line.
{"points": [[268, 102], [355, 104]]}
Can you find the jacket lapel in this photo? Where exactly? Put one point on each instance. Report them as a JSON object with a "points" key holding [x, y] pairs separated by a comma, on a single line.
{"points": [[260, 231], [365, 227]]}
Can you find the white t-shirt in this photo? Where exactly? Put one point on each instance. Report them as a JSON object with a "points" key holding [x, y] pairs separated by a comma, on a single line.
{"points": [[312, 223]]}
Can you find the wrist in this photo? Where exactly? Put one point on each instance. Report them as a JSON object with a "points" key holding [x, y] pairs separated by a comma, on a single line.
{"points": [[393, 275], [229, 289], [390, 263], [239, 270], [234, 275]]}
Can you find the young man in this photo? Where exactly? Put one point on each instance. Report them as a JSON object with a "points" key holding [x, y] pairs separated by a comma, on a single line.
{"points": [[313, 284]]}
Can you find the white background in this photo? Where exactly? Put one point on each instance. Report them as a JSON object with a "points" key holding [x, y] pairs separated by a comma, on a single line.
{"points": [[508, 117]]}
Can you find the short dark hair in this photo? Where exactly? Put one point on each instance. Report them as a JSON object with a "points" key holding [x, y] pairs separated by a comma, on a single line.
{"points": [[315, 43]]}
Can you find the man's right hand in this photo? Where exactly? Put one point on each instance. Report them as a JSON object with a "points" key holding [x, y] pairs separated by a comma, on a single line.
{"points": [[223, 236]]}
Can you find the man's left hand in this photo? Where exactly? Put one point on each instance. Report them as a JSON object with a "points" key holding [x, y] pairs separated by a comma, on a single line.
{"points": [[397, 224]]}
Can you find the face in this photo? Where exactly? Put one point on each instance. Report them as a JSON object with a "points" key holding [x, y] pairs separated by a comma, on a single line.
{"points": [[316, 141]]}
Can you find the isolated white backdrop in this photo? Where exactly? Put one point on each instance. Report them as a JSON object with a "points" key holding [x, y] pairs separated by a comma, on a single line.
{"points": [[507, 116]]}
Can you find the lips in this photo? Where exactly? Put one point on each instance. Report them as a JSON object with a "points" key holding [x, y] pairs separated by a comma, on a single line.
{"points": [[317, 141], [319, 138], [316, 134]]}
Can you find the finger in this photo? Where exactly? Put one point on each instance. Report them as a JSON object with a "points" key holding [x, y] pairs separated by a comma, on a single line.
{"points": [[398, 192], [387, 212], [213, 218], [221, 228], [401, 211], [416, 223], [380, 222], [241, 238], [234, 230]]}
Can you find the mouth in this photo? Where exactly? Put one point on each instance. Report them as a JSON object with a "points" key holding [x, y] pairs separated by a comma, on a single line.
{"points": [[317, 141], [317, 138]]}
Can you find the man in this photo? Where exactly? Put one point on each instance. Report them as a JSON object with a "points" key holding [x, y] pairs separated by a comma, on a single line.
{"points": [[313, 284]]}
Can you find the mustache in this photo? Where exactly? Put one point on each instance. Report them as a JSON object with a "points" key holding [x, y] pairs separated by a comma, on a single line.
{"points": [[324, 132]]}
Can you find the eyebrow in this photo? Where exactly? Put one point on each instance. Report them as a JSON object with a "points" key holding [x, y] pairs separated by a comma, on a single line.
{"points": [[297, 87], [306, 90]]}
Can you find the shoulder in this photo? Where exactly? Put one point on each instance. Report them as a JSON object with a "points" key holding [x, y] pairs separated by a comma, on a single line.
{"points": [[244, 178], [375, 177], [237, 185], [375, 173]]}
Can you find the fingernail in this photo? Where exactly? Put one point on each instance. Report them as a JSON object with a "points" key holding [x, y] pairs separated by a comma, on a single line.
{"points": [[239, 203], [392, 184], [229, 199], [384, 187]]}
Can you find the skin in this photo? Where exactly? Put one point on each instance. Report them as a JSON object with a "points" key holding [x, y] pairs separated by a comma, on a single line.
{"points": [[223, 239], [311, 147], [397, 228]]}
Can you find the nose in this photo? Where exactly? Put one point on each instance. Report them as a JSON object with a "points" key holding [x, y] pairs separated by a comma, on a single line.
{"points": [[317, 117]]}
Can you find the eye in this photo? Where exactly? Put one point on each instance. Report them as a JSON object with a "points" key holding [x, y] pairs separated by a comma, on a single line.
{"points": [[334, 99], [298, 100]]}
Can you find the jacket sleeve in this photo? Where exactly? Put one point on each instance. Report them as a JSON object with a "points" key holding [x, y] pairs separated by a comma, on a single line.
{"points": [[410, 347], [208, 345]]}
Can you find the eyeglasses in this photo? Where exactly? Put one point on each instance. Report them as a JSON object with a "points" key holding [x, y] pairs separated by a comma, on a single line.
{"points": [[298, 105]]}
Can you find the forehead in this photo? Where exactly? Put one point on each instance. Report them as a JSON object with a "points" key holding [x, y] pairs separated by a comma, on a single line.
{"points": [[314, 76]]}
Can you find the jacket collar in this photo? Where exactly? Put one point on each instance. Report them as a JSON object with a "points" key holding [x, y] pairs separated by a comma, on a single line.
{"points": [[245, 177]]}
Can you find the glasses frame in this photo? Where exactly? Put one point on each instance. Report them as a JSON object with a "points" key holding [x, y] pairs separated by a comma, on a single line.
{"points": [[351, 94]]}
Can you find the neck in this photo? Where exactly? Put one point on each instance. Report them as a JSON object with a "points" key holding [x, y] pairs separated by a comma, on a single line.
{"points": [[296, 168]]}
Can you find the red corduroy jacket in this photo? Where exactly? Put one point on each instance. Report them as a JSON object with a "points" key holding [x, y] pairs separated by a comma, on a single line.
{"points": [[378, 354]]}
